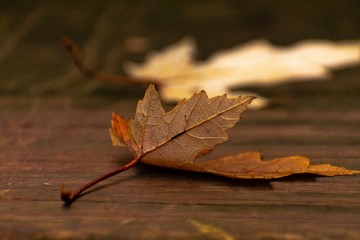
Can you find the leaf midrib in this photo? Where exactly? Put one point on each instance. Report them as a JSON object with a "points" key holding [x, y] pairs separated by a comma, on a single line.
{"points": [[192, 127]]}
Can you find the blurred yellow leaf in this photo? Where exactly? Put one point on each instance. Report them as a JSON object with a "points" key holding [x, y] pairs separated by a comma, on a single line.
{"points": [[257, 63]]}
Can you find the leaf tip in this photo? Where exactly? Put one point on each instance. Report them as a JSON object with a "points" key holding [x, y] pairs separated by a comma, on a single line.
{"points": [[248, 99], [152, 87]]}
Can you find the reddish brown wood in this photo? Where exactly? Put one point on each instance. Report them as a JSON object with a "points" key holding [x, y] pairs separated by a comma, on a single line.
{"points": [[46, 142]]}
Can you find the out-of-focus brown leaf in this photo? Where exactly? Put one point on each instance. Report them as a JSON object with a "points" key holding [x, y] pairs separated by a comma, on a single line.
{"points": [[177, 139]]}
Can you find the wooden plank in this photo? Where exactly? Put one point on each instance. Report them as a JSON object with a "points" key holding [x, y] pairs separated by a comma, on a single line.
{"points": [[48, 142]]}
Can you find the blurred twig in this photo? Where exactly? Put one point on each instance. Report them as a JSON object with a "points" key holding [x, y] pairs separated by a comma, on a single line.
{"points": [[94, 74]]}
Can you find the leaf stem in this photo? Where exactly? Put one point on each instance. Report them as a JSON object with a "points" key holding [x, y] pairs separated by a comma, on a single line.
{"points": [[94, 74], [70, 197]]}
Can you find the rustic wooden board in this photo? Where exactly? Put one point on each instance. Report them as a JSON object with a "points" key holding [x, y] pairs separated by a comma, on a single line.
{"points": [[46, 142], [49, 141]]}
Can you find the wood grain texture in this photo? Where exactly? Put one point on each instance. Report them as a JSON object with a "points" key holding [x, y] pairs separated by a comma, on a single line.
{"points": [[45, 142]]}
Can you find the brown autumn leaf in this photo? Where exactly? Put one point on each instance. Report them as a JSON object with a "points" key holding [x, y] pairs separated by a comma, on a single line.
{"points": [[171, 139], [176, 139]]}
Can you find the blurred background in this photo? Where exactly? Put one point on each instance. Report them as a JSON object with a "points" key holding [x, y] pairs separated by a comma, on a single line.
{"points": [[109, 33]]}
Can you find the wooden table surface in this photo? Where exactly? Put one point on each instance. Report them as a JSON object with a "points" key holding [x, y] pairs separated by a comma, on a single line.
{"points": [[46, 141], [49, 141]]}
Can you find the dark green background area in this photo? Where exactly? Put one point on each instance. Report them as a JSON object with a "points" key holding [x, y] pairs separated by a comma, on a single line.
{"points": [[32, 60]]}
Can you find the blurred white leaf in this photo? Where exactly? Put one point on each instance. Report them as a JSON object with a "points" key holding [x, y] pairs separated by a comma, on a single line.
{"points": [[257, 63]]}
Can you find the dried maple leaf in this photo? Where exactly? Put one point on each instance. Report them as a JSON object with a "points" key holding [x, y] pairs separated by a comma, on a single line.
{"points": [[257, 63], [176, 139]]}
